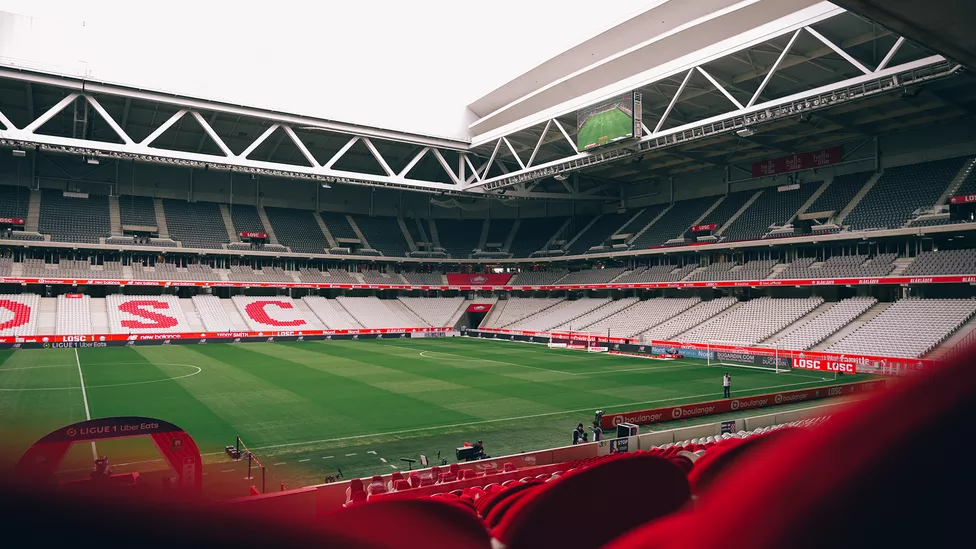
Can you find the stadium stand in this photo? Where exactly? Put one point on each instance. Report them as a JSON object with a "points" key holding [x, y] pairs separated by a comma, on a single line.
{"points": [[377, 277], [943, 262], [271, 313], [297, 229], [538, 278], [212, 313], [383, 234], [338, 225], [425, 279], [245, 218], [340, 276], [6, 266], [14, 201], [841, 266], [516, 309], [244, 273], [771, 208], [674, 223], [67, 219], [688, 319], [137, 210], [598, 233], [459, 237], [440, 312], [825, 324], [727, 208], [561, 313], [498, 231], [592, 276], [596, 315], [752, 321], [657, 273], [195, 224], [901, 191], [18, 306], [73, 315], [909, 328], [145, 314], [643, 316], [373, 312], [533, 233], [840, 192], [331, 313], [638, 222]]}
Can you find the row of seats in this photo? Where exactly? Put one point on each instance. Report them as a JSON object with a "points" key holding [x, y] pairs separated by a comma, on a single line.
{"points": [[642, 316], [515, 309], [825, 324], [943, 262], [753, 321], [561, 313]]}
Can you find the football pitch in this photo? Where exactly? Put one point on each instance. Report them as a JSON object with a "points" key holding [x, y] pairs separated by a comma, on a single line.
{"points": [[610, 124], [307, 409]]}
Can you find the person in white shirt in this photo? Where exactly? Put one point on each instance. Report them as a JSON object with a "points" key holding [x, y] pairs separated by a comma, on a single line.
{"points": [[727, 385]]}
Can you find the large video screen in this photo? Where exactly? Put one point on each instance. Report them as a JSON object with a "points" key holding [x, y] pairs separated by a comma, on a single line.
{"points": [[605, 123]]}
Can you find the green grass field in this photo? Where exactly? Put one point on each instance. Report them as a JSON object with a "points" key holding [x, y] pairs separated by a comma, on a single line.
{"points": [[610, 124], [309, 408]]}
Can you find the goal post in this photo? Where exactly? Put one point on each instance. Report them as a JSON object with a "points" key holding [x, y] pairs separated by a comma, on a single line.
{"points": [[578, 340], [757, 356]]}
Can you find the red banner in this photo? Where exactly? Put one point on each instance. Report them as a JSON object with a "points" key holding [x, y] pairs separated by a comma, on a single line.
{"points": [[479, 308], [263, 236], [963, 199], [821, 365], [704, 228], [797, 162], [493, 279], [670, 413], [12, 221], [162, 336]]}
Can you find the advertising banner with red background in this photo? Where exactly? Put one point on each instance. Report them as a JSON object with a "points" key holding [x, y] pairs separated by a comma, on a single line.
{"points": [[492, 279], [670, 413], [963, 199], [797, 162], [252, 235], [12, 221], [703, 228], [479, 308]]}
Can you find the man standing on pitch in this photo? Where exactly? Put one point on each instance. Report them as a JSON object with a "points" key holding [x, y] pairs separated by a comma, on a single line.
{"points": [[727, 385]]}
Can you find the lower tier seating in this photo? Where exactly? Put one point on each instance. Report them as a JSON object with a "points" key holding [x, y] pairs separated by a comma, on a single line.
{"points": [[145, 314]]}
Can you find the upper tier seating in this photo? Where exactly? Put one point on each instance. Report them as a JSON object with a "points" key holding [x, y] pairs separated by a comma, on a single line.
{"points": [[425, 279], [245, 218], [212, 314], [638, 222], [840, 192], [145, 314], [18, 307], [419, 230], [14, 201], [168, 271], [826, 323], [459, 237], [286, 316], [297, 229], [943, 262], [74, 219], [909, 328], [596, 315], [498, 231], [517, 308], [841, 266], [137, 210], [196, 224], [900, 191], [592, 276], [377, 277], [243, 273], [751, 270], [436, 311], [338, 225], [726, 209], [73, 315], [340, 276], [332, 276], [6, 266], [968, 185], [538, 278], [598, 233], [771, 208], [675, 222], [533, 233], [331, 313], [657, 273], [383, 234], [373, 312], [71, 268], [752, 321], [688, 319], [559, 314], [642, 316]]}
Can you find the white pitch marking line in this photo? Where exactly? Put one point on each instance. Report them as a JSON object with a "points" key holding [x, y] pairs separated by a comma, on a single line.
{"points": [[532, 416], [279, 463], [371, 452], [304, 460], [84, 397], [383, 460], [352, 454], [328, 457], [394, 466]]}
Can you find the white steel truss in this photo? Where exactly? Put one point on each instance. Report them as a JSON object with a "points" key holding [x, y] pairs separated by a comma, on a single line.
{"points": [[511, 165]]}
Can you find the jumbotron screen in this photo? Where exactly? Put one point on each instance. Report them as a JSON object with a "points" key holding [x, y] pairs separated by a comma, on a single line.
{"points": [[605, 123]]}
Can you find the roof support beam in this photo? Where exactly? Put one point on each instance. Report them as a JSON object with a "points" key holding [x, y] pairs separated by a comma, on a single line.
{"points": [[108, 119], [301, 146], [50, 113], [162, 129], [674, 100], [772, 70], [840, 51], [257, 142]]}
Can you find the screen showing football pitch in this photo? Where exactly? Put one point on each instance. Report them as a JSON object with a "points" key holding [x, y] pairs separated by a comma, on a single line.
{"points": [[605, 123]]}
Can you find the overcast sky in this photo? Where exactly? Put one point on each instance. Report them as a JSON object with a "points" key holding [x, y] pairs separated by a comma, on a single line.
{"points": [[396, 64]]}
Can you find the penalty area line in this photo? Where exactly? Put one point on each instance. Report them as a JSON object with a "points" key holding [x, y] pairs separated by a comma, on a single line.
{"points": [[84, 398]]}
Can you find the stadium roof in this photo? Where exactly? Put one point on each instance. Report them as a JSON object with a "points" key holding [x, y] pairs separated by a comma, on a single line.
{"points": [[817, 77]]}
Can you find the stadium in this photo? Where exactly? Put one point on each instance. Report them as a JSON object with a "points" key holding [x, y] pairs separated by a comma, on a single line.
{"points": [[709, 264]]}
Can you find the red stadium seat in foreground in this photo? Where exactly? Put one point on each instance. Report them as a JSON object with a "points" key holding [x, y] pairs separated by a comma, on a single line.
{"points": [[869, 477], [628, 491]]}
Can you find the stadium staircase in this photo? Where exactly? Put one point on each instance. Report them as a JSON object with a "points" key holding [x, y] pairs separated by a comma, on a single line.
{"points": [[411, 245], [237, 321], [483, 236], [47, 316], [228, 223], [507, 246], [435, 237], [777, 269], [581, 232], [721, 230], [967, 168], [901, 265], [358, 232], [272, 239], [839, 218], [853, 326], [813, 199], [649, 224], [99, 315], [33, 212], [192, 314], [325, 230], [959, 340], [800, 323], [495, 313], [160, 218], [313, 319], [114, 216]]}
